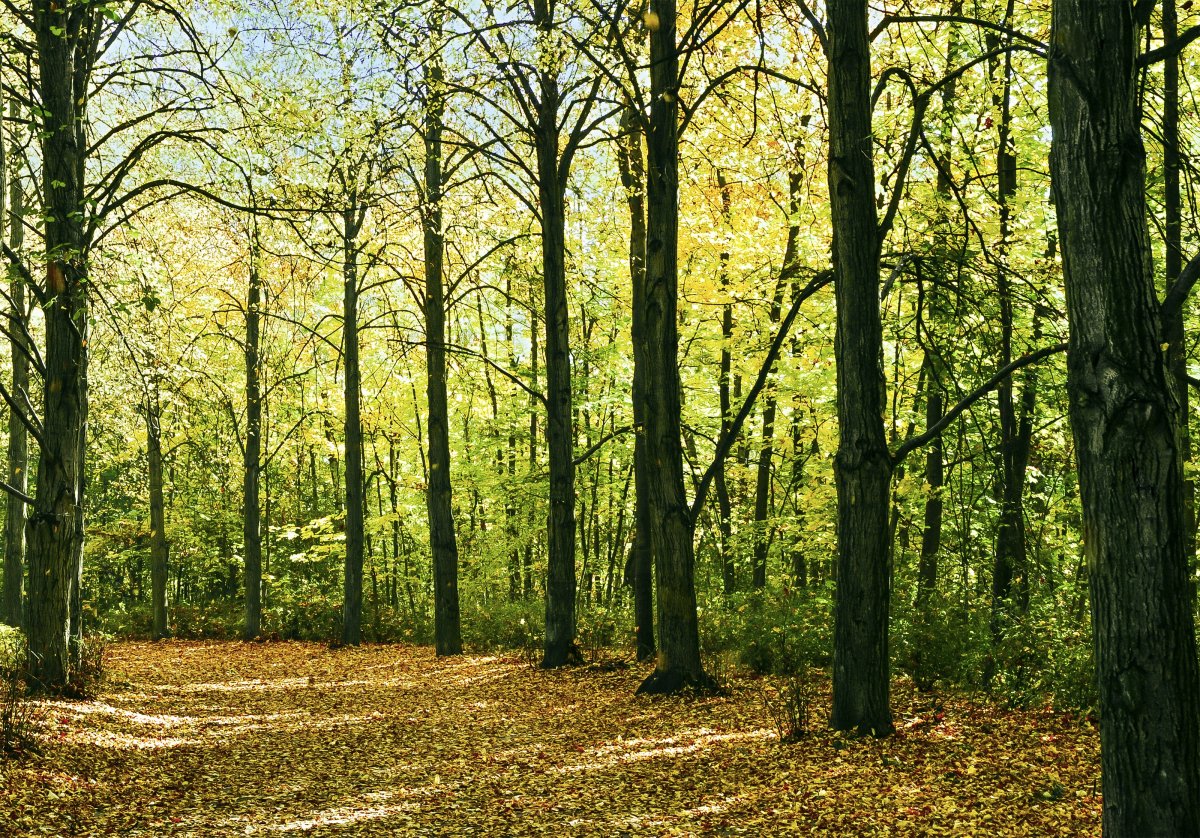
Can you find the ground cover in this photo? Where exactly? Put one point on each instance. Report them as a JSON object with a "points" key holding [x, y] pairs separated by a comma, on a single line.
{"points": [[210, 739]]}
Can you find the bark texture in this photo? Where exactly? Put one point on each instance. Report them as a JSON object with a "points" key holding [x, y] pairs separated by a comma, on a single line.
{"points": [[443, 542], [18, 437], [863, 464], [1124, 420], [551, 175], [678, 663], [633, 177], [352, 580]]}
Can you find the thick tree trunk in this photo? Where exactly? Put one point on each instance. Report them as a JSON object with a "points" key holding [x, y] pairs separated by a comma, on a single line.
{"points": [[443, 542], [863, 465], [1123, 418], [633, 178], [252, 450], [158, 517], [18, 445], [54, 530], [679, 663], [560, 571], [352, 579]]}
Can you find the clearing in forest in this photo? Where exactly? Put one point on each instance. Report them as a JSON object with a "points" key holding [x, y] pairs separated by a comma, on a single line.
{"points": [[211, 739]]}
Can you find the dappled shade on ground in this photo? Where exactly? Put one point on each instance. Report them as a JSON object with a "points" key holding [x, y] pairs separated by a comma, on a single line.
{"points": [[206, 739]]}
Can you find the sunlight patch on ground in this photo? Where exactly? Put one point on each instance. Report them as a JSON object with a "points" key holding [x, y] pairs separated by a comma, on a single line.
{"points": [[636, 750]]}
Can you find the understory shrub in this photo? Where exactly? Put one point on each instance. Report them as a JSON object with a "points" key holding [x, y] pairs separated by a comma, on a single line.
{"points": [[778, 630], [18, 714], [506, 625]]}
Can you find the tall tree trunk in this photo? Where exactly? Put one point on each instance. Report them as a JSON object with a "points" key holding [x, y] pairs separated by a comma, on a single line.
{"points": [[252, 450], [1124, 421], [678, 662], [560, 572], [1009, 568], [935, 479], [863, 464], [641, 575], [18, 444], [443, 542], [724, 506], [53, 530], [352, 580], [932, 374], [766, 449], [158, 518], [1173, 328]]}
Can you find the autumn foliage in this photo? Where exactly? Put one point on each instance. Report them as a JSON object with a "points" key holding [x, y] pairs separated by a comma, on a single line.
{"points": [[196, 738]]}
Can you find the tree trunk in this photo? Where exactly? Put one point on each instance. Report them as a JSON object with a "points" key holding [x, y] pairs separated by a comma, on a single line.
{"points": [[18, 445], [724, 506], [252, 451], [443, 541], [1173, 332], [633, 178], [53, 529], [158, 518], [863, 465], [560, 571], [1009, 568], [678, 664], [1122, 408], [352, 581]]}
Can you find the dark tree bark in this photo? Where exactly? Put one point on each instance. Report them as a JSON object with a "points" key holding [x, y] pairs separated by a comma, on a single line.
{"points": [[935, 479], [352, 579], [551, 176], [724, 506], [252, 449], [633, 178], [1173, 328], [54, 532], [1124, 420], [158, 517], [18, 438], [678, 663], [863, 465], [1010, 569], [438, 497], [766, 450]]}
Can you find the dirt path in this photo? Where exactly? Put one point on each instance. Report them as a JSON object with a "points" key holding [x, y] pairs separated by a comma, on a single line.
{"points": [[214, 739]]}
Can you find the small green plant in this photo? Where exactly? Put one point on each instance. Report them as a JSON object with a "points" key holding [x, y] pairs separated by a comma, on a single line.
{"points": [[18, 714], [789, 706], [87, 676]]}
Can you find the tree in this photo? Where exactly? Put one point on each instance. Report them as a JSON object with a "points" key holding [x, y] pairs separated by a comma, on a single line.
{"points": [[863, 466], [442, 540], [12, 211], [1124, 420]]}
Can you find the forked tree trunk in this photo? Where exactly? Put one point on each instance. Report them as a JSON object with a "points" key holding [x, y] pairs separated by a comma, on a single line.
{"points": [[1123, 419], [863, 465], [443, 542], [560, 570]]}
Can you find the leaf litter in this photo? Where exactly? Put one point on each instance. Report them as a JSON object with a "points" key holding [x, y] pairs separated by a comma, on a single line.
{"points": [[211, 739]]}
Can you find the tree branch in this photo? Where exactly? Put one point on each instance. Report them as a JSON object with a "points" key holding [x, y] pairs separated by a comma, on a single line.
{"points": [[975, 395]]}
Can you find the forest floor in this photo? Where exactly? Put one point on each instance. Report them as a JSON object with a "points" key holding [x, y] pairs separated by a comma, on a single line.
{"points": [[192, 738]]}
